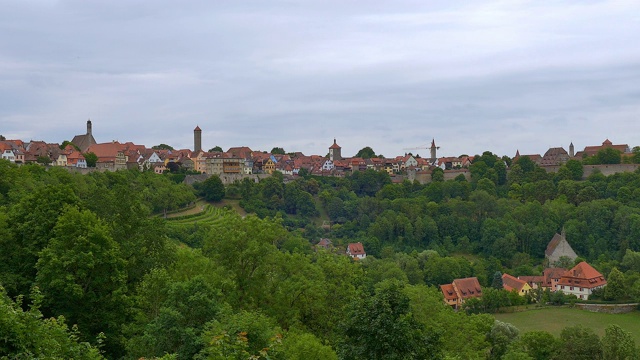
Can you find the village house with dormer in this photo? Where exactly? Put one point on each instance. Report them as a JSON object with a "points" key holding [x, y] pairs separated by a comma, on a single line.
{"points": [[581, 281], [461, 290], [356, 251]]}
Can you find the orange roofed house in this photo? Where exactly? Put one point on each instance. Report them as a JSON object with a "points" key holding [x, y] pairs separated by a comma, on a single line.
{"points": [[581, 280], [460, 290], [356, 251], [511, 283]]}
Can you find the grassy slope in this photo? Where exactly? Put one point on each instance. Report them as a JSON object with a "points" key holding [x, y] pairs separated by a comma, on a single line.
{"points": [[554, 319]]}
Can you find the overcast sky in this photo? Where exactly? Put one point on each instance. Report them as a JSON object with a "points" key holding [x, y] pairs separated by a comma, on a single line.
{"points": [[476, 76]]}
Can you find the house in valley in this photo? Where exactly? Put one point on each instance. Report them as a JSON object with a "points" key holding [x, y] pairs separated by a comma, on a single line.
{"points": [[461, 290], [356, 251], [581, 280], [511, 283]]}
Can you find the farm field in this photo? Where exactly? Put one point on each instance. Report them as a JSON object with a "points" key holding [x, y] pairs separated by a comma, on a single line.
{"points": [[554, 319]]}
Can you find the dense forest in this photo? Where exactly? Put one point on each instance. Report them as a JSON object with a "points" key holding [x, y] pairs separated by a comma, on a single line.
{"points": [[90, 268]]}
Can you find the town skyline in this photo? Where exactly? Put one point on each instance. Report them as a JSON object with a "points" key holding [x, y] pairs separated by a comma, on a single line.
{"points": [[489, 75], [422, 151]]}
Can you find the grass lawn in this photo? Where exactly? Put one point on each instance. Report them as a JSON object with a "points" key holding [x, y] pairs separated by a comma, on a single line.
{"points": [[554, 319]]}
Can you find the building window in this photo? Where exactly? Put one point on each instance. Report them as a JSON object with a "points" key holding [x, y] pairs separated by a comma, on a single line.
{"points": [[571, 288]]}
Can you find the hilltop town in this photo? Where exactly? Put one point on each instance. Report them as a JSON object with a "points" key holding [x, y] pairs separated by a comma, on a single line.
{"points": [[84, 153]]}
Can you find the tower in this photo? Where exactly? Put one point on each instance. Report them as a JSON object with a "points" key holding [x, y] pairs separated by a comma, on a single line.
{"points": [[335, 151], [433, 150], [89, 127], [571, 150], [197, 139]]}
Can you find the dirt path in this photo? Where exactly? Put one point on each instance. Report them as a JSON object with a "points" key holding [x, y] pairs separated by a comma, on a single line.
{"points": [[200, 205]]}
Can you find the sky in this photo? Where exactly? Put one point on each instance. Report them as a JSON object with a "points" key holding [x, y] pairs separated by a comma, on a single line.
{"points": [[475, 76]]}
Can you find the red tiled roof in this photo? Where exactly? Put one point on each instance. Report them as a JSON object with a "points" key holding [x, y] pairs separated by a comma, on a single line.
{"points": [[468, 287], [356, 249], [582, 275], [537, 279], [334, 146], [511, 283], [449, 292]]}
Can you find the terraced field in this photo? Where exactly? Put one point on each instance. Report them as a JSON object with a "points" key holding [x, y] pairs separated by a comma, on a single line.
{"points": [[211, 215]]}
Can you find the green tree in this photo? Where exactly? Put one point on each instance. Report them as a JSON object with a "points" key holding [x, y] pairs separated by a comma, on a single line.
{"points": [[301, 345], [278, 151], [67, 142], [81, 274], [33, 218], [162, 147], [579, 343], [366, 153], [91, 159], [381, 326], [26, 334], [501, 336], [618, 344], [212, 189], [178, 325], [216, 149], [576, 169], [43, 160], [615, 289], [609, 156], [437, 175], [540, 345], [496, 283]]}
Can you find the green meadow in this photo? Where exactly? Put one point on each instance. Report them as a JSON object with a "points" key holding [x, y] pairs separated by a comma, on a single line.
{"points": [[554, 319]]}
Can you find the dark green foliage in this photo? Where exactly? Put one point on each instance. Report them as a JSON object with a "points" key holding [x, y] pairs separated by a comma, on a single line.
{"points": [[501, 336], [212, 189], [539, 345], [91, 159], [216, 149], [67, 142], [82, 275], [366, 153], [44, 160], [605, 156], [618, 344], [615, 289], [25, 334], [381, 326], [278, 151], [577, 343], [33, 218], [496, 283], [437, 175], [183, 309], [162, 147]]}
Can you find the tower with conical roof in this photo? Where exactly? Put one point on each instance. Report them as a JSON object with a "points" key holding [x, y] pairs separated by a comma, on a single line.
{"points": [[335, 151], [433, 150], [197, 139], [571, 150]]}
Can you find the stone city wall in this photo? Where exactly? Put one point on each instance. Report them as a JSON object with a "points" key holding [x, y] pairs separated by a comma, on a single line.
{"points": [[608, 308]]}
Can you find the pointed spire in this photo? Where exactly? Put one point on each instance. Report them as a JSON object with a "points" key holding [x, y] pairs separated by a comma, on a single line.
{"points": [[433, 142]]}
